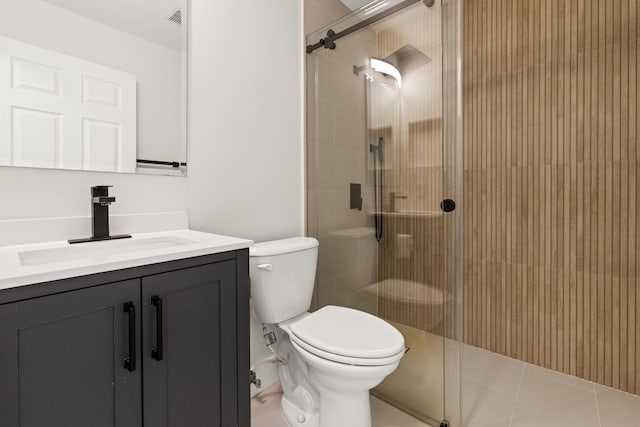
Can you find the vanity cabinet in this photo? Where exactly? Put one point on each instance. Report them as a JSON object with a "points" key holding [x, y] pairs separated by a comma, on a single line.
{"points": [[75, 357], [61, 359], [189, 378]]}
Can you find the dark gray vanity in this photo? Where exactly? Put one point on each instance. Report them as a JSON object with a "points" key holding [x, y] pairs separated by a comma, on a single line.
{"points": [[165, 344]]}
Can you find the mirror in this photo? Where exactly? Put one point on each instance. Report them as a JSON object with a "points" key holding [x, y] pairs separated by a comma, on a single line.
{"points": [[98, 85]]}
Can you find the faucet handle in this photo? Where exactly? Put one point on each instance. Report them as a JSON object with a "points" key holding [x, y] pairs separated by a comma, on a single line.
{"points": [[100, 195], [103, 200]]}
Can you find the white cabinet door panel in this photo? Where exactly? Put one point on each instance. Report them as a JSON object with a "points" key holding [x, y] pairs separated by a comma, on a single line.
{"points": [[35, 138], [31, 76], [58, 111], [101, 145], [95, 91]]}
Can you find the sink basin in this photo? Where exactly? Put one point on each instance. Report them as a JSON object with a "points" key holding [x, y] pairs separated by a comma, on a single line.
{"points": [[98, 250]]}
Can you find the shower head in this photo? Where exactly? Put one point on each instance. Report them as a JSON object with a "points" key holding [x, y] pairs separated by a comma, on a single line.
{"points": [[400, 63], [407, 59], [387, 68], [381, 66]]}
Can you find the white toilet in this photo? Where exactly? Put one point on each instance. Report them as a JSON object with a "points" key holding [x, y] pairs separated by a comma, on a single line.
{"points": [[335, 355]]}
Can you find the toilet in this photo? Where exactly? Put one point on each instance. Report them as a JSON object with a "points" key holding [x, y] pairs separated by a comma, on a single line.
{"points": [[335, 355]]}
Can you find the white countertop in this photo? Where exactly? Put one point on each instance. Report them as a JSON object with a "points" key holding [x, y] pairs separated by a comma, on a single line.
{"points": [[42, 262]]}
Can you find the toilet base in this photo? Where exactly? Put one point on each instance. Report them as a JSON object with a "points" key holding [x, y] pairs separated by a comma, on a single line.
{"points": [[344, 409], [296, 417], [336, 410]]}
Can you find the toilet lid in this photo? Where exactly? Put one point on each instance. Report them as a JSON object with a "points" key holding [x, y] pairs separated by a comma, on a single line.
{"points": [[349, 333]]}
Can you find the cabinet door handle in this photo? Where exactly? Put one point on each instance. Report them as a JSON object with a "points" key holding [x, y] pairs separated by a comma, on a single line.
{"points": [[130, 361], [157, 352]]}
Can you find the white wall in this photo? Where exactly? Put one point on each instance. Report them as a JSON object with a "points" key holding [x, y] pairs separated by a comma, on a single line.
{"points": [[40, 193], [245, 171], [245, 151], [320, 13], [156, 67]]}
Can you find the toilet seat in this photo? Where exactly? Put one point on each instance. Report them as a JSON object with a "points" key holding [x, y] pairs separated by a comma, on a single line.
{"points": [[346, 360], [348, 336]]}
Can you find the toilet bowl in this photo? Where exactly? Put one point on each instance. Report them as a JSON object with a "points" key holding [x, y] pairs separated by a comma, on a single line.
{"points": [[335, 355]]}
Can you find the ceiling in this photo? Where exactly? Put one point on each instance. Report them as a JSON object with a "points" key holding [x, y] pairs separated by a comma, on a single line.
{"points": [[147, 19]]}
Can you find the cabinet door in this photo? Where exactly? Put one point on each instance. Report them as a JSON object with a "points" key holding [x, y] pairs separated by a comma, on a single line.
{"points": [[62, 360], [189, 347]]}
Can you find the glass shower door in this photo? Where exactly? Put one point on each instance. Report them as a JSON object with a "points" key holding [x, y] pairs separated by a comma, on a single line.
{"points": [[375, 183], [407, 116]]}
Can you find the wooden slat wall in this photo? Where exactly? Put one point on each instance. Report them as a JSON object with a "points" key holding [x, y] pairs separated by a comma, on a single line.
{"points": [[550, 184]]}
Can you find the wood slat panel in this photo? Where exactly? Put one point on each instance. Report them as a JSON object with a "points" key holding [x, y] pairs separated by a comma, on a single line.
{"points": [[551, 174]]}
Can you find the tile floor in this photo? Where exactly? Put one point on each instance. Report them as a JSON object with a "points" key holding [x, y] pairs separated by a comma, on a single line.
{"points": [[265, 412], [501, 392], [417, 384]]}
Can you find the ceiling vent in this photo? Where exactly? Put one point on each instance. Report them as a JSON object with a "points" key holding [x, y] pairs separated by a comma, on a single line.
{"points": [[176, 16]]}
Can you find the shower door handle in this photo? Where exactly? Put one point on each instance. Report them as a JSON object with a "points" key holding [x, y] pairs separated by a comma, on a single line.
{"points": [[448, 205]]}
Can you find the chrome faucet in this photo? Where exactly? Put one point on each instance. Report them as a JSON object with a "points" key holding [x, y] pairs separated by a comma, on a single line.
{"points": [[392, 200], [100, 201]]}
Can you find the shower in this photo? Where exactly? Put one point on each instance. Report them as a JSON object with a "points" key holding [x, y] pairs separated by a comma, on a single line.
{"points": [[402, 61]]}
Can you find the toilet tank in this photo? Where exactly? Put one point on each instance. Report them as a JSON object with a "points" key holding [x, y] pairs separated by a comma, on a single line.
{"points": [[282, 276]]}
